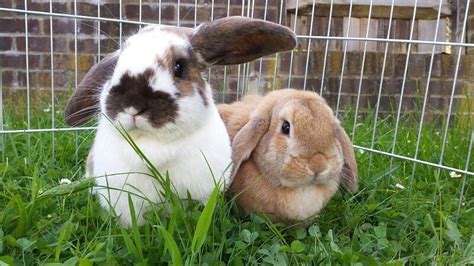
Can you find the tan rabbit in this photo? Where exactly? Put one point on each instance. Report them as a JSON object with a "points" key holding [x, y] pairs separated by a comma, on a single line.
{"points": [[290, 154]]}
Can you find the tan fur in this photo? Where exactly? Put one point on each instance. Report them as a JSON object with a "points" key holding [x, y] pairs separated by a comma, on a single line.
{"points": [[290, 178], [235, 120], [257, 194], [350, 183]]}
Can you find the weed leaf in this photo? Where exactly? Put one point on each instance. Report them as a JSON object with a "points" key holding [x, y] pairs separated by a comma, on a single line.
{"points": [[64, 235], [452, 232], [468, 256], [6, 260]]}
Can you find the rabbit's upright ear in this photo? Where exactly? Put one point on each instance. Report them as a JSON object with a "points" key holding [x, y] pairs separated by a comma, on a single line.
{"points": [[236, 40], [349, 171], [84, 102]]}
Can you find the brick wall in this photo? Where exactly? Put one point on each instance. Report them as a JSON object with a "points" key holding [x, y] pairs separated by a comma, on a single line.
{"points": [[12, 34], [440, 87], [90, 48]]}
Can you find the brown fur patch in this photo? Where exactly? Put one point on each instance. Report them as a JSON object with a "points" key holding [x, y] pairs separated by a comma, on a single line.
{"points": [[134, 91]]}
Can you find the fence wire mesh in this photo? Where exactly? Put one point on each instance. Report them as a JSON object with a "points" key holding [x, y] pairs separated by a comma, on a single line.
{"points": [[383, 60]]}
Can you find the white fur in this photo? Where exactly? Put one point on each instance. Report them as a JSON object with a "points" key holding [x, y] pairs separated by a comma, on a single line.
{"points": [[184, 160], [142, 51], [305, 202], [163, 82], [183, 149]]}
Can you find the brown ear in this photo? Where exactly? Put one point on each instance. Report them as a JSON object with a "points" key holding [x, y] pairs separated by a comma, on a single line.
{"points": [[349, 171], [236, 40], [84, 102]]}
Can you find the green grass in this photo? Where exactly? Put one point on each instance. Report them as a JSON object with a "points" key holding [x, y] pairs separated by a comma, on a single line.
{"points": [[42, 222]]}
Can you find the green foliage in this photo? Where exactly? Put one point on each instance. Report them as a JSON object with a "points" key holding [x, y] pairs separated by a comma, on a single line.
{"points": [[45, 222], [204, 222]]}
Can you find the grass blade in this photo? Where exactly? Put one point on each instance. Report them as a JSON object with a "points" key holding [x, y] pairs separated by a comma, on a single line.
{"points": [[171, 246], [64, 235], [129, 244], [204, 221], [135, 230]]}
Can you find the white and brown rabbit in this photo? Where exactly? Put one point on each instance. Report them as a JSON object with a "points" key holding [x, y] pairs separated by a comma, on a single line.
{"points": [[290, 154], [154, 89]]}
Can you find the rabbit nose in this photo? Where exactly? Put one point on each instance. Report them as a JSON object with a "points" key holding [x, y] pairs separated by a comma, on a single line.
{"points": [[318, 163], [134, 111]]}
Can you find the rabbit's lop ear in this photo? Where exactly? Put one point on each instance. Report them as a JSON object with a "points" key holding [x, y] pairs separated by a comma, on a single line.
{"points": [[84, 102], [349, 171], [247, 139], [236, 40]]}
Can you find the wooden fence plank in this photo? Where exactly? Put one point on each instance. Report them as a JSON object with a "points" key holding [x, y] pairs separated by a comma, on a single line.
{"points": [[426, 9]]}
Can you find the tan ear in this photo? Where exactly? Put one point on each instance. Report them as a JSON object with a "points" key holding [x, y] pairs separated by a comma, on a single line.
{"points": [[349, 171], [84, 102], [247, 139], [236, 40]]}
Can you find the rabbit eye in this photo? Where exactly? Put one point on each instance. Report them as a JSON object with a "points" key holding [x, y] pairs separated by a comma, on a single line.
{"points": [[285, 128], [178, 69]]}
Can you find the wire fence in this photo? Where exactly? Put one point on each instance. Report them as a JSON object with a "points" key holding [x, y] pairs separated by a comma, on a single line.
{"points": [[318, 48]]}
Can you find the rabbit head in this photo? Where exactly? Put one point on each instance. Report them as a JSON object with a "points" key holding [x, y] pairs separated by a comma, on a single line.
{"points": [[295, 140], [154, 82]]}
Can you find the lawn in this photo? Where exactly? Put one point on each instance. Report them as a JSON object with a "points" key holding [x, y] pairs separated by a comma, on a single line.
{"points": [[396, 217]]}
